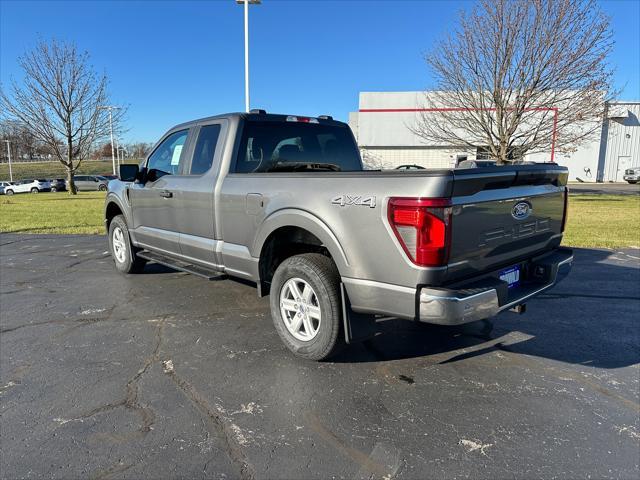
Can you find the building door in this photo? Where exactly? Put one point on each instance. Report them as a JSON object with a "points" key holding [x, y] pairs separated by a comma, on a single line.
{"points": [[624, 162]]}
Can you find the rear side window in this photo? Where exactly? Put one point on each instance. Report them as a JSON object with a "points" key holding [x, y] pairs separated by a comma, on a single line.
{"points": [[205, 149], [167, 158], [273, 146]]}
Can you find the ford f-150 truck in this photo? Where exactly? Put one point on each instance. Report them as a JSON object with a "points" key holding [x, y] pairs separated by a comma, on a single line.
{"points": [[283, 201]]}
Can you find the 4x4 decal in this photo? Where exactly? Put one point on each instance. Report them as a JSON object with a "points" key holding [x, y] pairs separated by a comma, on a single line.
{"points": [[358, 200]]}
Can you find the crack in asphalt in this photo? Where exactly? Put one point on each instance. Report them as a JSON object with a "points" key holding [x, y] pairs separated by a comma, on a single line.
{"points": [[131, 399], [224, 428], [117, 468], [84, 260], [36, 324], [80, 322]]}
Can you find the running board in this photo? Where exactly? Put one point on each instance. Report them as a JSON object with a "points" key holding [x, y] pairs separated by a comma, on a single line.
{"points": [[207, 273]]}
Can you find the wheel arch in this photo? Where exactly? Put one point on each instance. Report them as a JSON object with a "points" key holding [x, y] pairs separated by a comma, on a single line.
{"points": [[292, 232], [111, 209]]}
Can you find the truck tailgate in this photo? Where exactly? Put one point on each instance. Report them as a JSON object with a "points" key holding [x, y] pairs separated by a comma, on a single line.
{"points": [[503, 216]]}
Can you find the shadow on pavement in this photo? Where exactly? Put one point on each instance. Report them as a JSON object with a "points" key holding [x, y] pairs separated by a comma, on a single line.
{"points": [[591, 318]]}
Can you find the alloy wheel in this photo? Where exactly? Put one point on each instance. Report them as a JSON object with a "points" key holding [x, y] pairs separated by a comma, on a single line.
{"points": [[300, 309]]}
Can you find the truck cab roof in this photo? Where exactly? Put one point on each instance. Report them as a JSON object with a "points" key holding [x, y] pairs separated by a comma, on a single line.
{"points": [[263, 116]]}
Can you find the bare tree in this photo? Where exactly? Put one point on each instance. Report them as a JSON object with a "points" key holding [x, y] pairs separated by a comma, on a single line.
{"points": [[520, 76], [58, 102], [140, 150], [23, 144]]}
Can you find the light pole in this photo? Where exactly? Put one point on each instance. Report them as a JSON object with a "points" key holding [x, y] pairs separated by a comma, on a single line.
{"points": [[117, 153], [246, 48], [113, 154], [9, 154]]}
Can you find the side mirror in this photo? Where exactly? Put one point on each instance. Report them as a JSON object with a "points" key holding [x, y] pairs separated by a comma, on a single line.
{"points": [[129, 172]]}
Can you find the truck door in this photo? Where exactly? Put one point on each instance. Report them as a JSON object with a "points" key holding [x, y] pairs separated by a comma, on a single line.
{"points": [[195, 205], [154, 203]]}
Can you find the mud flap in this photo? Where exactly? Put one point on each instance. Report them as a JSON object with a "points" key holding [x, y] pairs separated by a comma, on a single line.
{"points": [[357, 326]]}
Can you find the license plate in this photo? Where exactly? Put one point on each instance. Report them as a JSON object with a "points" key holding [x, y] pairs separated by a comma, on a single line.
{"points": [[511, 276]]}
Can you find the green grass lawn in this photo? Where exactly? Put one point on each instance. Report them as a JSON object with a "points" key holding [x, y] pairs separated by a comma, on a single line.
{"points": [[54, 169], [52, 213], [610, 221], [607, 221]]}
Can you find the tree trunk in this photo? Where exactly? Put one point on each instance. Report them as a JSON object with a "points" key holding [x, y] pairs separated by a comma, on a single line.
{"points": [[70, 170], [71, 186]]}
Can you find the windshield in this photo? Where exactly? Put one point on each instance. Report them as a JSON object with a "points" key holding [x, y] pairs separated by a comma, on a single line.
{"points": [[287, 146]]}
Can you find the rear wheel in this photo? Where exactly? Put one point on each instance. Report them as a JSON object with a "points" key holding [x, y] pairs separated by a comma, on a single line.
{"points": [[8, 192], [632, 182], [35, 190], [306, 307], [122, 251], [54, 189], [102, 188]]}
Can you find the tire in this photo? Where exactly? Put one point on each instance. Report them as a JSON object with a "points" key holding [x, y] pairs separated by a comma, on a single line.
{"points": [[102, 188], [632, 182], [325, 336], [121, 249], [8, 192], [35, 190], [54, 189]]}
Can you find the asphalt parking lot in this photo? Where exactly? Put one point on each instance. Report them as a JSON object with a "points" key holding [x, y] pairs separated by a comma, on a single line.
{"points": [[604, 188], [167, 375]]}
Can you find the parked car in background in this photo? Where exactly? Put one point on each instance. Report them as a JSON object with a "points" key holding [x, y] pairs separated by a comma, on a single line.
{"points": [[632, 175], [91, 182], [58, 184], [4, 185], [410, 167], [476, 163], [28, 186]]}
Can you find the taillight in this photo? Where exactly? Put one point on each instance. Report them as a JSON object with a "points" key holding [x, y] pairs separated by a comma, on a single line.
{"points": [[423, 228], [566, 208]]}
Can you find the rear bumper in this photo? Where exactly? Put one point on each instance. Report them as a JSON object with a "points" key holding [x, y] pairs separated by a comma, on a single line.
{"points": [[463, 302], [477, 300]]}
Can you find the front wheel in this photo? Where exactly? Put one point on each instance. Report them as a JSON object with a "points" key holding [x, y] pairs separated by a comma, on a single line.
{"points": [[121, 249], [35, 190], [632, 182], [102, 188], [54, 189], [306, 307], [8, 192]]}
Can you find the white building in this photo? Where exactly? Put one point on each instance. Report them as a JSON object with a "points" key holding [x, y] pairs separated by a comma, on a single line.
{"points": [[384, 122]]}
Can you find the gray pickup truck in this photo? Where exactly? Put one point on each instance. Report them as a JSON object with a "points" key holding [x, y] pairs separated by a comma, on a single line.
{"points": [[283, 201]]}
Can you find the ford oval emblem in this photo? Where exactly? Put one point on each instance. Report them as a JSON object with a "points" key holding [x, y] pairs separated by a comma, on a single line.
{"points": [[521, 210]]}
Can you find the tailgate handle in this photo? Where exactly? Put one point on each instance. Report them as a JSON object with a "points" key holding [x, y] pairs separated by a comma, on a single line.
{"points": [[166, 194]]}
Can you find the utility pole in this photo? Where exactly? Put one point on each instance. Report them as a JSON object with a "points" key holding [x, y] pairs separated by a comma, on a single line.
{"points": [[246, 48], [9, 154], [113, 153]]}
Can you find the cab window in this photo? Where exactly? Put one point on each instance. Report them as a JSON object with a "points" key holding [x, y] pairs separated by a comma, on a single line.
{"points": [[168, 157], [205, 149], [273, 146]]}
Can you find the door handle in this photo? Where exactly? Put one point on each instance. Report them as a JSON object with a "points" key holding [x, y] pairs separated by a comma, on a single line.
{"points": [[166, 194]]}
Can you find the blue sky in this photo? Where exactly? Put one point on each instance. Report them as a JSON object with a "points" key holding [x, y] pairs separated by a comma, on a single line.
{"points": [[173, 61]]}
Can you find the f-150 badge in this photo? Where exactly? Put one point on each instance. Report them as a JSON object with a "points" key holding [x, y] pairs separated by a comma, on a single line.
{"points": [[357, 200]]}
